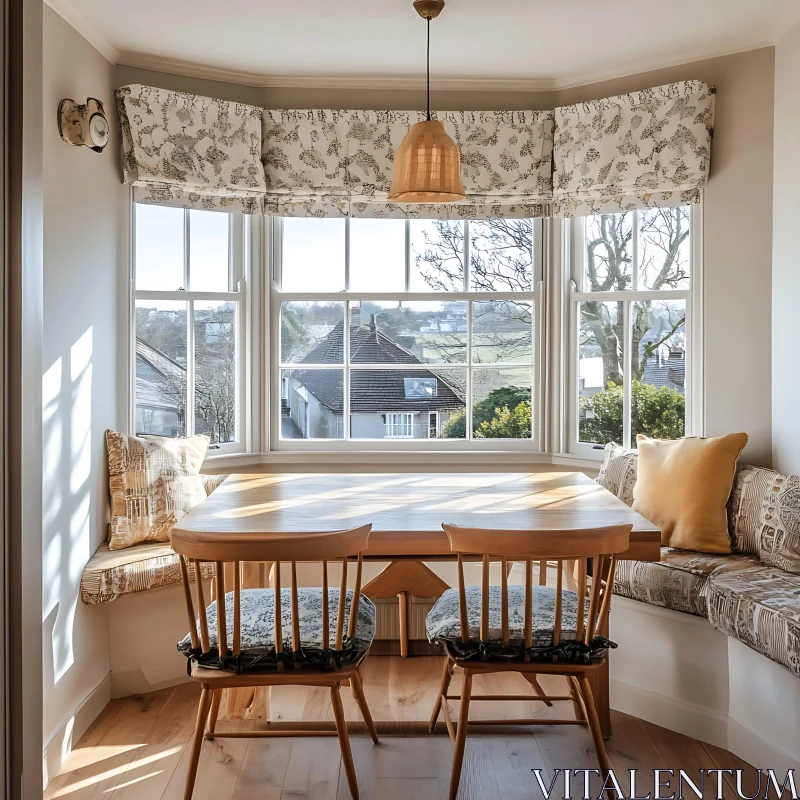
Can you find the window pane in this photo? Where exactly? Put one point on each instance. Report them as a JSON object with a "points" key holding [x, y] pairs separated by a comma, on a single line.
{"points": [[408, 332], [425, 403], [313, 255], [501, 255], [609, 253], [159, 248], [501, 403], [658, 369], [215, 370], [377, 255], [664, 248], [208, 251], [311, 403], [437, 255], [311, 333], [600, 371], [501, 332], [161, 367]]}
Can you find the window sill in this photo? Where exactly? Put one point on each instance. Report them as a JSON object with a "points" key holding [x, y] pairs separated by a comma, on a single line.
{"points": [[402, 461]]}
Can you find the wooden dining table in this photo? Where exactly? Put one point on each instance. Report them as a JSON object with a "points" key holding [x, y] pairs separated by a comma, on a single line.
{"points": [[406, 511]]}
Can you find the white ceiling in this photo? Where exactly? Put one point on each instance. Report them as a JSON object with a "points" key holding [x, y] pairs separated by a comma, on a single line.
{"points": [[524, 43]]}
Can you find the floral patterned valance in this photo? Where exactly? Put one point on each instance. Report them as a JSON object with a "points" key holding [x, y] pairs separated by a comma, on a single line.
{"points": [[183, 150], [339, 163], [641, 150]]}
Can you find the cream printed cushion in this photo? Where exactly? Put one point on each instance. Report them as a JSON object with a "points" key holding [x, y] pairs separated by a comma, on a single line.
{"points": [[154, 481]]}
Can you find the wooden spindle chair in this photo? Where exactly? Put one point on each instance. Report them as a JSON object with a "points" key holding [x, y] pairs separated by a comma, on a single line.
{"points": [[241, 662], [478, 649]]}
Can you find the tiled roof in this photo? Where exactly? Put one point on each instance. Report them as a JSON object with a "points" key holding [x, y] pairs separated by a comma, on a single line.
{"points": [[371, 390]]}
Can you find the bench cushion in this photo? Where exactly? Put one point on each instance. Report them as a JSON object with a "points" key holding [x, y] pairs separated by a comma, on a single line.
{"points": [[678, 581], [759, 606], [113, 573], [258, 628], [443, 624]]}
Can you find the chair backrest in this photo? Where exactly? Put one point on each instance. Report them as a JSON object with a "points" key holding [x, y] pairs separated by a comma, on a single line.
{"points": [[238, 548], [601, 546]]}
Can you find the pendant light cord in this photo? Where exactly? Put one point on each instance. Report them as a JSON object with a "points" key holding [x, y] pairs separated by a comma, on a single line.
{"points": [[429, 70]]}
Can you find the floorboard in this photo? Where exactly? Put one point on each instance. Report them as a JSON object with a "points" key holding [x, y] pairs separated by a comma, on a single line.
{"points": [[137, 749]]}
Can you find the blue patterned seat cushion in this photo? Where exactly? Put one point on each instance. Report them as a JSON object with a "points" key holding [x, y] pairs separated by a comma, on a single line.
{"points": [[444, 627], [258, 630]]}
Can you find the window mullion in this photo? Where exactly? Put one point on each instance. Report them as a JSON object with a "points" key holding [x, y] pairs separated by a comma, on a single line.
{"points": [[635, 253], [627, 381], [408, 255], [346, 382], [467, 276], [468, 398], [186, 250], [190, 368]]}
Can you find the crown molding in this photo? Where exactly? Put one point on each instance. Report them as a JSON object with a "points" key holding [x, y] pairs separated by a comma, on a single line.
{"points": [[67, 11], [261, 81]]}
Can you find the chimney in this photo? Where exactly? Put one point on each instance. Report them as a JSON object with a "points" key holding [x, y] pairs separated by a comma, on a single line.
{"points": [[355, 316], [373, 328]]}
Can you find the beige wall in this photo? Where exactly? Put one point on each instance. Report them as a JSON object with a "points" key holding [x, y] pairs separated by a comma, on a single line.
{"points": [[786, 258], [737, 210], [84, 235]]}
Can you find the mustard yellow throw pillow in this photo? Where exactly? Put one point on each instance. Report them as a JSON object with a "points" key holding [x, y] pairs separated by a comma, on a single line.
{"points": [[154, 481], [683, 487]]}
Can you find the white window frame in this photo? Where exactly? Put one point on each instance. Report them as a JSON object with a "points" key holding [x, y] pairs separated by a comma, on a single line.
{"points": [[271, 384], [574, 265], [238, 271]]}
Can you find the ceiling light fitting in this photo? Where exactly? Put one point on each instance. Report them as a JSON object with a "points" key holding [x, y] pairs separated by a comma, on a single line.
{"points": [[427, 163]]}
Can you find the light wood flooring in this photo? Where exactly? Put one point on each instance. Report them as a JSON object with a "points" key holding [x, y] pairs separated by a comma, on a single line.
{"points": [[136, 749]]}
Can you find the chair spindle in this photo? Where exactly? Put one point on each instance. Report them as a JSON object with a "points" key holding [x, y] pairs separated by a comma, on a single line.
{"points": [[557, 617], [351, 629], [593, 600], [462, 602], [485, 599], [342, 598], [605, 606], [222, 620], [295, 611], [237, 608], [187, 593], [326, 622], [276, 578], [201, 602], [504, 601], [528, 605], [581, 598]]}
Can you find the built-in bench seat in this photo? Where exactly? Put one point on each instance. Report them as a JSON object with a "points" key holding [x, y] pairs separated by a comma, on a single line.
{"points": [[756, 603], [109, 574]]}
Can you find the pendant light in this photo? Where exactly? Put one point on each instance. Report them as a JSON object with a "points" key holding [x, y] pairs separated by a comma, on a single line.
{"points": [[427, 164]]}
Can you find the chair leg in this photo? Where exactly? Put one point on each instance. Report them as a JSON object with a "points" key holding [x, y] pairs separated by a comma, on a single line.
{"points": [[214, 712], [197, 742], [344, 741], [461, 735], [594, 728], [357, 687], [447, 675], [533, 681], [574, 690]]}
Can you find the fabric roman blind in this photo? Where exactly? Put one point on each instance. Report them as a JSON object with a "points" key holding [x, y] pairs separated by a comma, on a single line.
{"points": [[641, 150], [338, 163], [183, 150]]}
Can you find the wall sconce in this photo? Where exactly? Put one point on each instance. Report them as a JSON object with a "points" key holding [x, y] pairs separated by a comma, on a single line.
{"points": [[83, 124]]}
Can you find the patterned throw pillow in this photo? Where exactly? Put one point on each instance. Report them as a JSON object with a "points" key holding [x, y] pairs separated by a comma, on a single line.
{"points": [[154, 481], [751, 488], [780, 524], [618, 471]]}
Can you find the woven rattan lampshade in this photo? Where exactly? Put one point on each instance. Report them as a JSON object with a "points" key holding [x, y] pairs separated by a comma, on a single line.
{"points": [[427, 166]]}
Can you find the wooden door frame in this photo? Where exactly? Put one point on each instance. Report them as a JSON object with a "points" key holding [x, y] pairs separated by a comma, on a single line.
{"points": [[21, 397]]}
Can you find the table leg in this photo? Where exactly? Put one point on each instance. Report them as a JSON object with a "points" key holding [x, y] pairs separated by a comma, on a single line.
{"points": [[404, 599]]}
